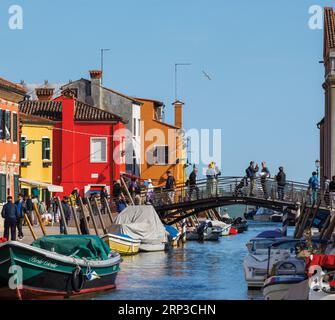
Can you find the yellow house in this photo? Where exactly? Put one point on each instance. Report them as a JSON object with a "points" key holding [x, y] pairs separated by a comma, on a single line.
{"points": [[36, 156]]}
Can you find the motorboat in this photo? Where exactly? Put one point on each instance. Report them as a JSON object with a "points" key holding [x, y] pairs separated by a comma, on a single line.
{"points": [[284, 275], [141, 222], [122, 243], [221, 227], [204, 232], [173, 235], [59, 266], [257, 262], [265, 214]]}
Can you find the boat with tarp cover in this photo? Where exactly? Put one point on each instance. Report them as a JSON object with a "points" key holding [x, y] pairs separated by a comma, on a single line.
{"points": [[57, 267]]}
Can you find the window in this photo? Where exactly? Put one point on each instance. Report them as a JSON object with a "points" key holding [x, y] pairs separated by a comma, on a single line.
{"points": [[139, 127], [134, 127], [23, 150], [15, 127], [7, 124], [46, 149], [98, 150], [1, 124], [161, 155], [3, 188]]}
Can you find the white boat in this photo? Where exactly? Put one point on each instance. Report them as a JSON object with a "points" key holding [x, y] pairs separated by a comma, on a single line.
{"points": [[152, 246], [257, 263], [122, 244], [265, 214], [285, 274], [224, 226]]}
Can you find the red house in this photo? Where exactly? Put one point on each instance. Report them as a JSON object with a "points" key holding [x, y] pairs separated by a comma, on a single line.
{"points": [[88, 146]]}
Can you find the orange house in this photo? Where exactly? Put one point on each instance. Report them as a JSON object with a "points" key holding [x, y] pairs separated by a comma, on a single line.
{"points": [[162, 143], [10, 95]]}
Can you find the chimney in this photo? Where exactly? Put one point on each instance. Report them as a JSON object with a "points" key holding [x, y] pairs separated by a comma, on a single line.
{"points": [[44, 94], [96, 76], [178, 113]]}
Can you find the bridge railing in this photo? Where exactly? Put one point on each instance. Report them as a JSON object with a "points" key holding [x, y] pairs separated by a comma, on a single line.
{"points": [[237, 187]]}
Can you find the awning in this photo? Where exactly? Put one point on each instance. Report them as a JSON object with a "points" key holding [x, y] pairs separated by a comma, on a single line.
{"points": [[50, 187]]}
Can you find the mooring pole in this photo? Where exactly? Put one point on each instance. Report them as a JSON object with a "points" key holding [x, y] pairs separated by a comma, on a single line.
{"points": [[285, 222]]}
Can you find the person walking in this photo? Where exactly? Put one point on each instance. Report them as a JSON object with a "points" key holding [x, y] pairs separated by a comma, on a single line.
{"points": [[29, 209], [281, 183], [265, 175], [150, 192], [67, 214], [170, 187], [313, 183], [332, 193], [251, 172], [103, 199], [20, 207], [192, 183], [326, 195], [116, 189], [11, 215], [211, 179]]}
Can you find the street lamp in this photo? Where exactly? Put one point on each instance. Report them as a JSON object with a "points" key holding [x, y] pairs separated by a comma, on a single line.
{"points": [[317, 166]]}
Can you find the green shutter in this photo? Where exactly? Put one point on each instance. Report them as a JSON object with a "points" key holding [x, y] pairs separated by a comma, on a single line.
{"points": [[14, 127], [16, 186], [3, 188], [23, 148], [7, 125]]}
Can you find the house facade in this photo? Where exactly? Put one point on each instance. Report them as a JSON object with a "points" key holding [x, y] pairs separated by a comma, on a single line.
{"points": [[163, 143], [128, 108], [36, 149], [10, 95], [87, 142], [327, 124]]}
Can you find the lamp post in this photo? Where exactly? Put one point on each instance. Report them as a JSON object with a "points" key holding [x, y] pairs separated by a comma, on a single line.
{"points": [[317, 166]]}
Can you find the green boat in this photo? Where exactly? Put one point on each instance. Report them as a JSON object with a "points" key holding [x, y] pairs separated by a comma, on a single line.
{"points": [[57, 267]]}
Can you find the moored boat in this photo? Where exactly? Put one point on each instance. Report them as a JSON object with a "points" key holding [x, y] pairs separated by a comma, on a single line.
{"points": [[57, 267], [122, 243]]}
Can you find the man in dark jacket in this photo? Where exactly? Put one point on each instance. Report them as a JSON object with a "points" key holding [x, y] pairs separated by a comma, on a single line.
{"points": [[192, 182], [251, 174], [67, 214], [29, 209], [281, 183], [11, 215], [20, 207], [170, 186]]}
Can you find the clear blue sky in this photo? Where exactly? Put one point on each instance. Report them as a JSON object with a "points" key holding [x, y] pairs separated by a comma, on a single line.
{"points": [[265, 91]]}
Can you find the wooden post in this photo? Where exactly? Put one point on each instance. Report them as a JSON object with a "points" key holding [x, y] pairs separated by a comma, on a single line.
{"points": [[100, 216], [74, 213], [62, 215], [127, 191], [82, 208], [39, 219], [325, 227], [92, 216], [331, 227], [109, 211], [26, 218]]}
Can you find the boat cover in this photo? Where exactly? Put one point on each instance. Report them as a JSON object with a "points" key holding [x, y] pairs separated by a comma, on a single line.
{"points": [[77, 246], [172, 231], [142, 223], [326, 261], [270, 234]]}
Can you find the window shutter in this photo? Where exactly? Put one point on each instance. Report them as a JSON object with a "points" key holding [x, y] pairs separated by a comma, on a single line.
{"points": [[16, 186], [23, 148], [1, 124], [14, 127], [46, 149], [7, 125], [3, 188]]}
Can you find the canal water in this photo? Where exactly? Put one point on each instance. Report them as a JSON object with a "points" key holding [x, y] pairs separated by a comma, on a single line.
{"points": [[209, 270]]}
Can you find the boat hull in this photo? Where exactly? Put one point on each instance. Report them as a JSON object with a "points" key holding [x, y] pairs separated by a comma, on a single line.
{"points": [[152, 247], [124, 246], [47, 275], [276, 287]]}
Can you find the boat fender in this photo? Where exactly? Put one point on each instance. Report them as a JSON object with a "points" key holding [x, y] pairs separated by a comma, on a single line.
{"points": [[77, 279]]}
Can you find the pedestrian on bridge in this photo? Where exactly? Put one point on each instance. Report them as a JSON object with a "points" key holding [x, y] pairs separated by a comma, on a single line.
{"points": [[251, 172], [265, 175], [281, 183], [192, 183], [211, 175], [313, 183], [170, 187]]}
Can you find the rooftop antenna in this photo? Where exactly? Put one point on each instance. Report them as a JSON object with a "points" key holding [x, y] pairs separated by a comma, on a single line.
{"points": [[176, 65], [102, 51]]}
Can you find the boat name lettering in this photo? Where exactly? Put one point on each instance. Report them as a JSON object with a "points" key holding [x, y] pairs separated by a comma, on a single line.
{"points": [[43, 262]]}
